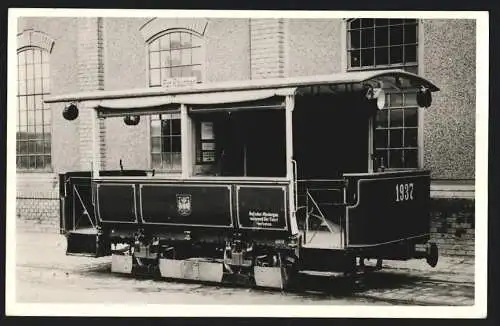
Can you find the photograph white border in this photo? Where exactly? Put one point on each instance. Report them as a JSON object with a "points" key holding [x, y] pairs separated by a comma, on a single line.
{"points": [[478, 310]]}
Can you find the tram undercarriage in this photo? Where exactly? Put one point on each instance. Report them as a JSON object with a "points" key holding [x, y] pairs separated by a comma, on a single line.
{"points": [[275, 180]]}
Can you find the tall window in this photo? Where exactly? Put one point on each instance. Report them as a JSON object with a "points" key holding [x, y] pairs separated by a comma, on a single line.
{"points": [[173, 55], [378, 43], [34, 117], [389, 43]]}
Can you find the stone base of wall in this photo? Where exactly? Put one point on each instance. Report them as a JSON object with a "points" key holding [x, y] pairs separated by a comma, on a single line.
{"points": [[452, 226], [37, 214]]}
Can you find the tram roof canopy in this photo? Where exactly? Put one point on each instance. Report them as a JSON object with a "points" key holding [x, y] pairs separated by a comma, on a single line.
{"points": [[245, 91]]}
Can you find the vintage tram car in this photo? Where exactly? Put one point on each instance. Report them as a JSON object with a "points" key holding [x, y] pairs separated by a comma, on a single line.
{"points": [[276, 177]]}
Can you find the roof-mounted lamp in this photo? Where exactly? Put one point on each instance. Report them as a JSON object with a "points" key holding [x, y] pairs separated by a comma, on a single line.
{"points": [[132, 120], [424, 97], [377, 95], [70, 112]]}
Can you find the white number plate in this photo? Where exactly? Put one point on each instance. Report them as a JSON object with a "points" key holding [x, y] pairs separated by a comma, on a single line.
{"points": [[404, 191]]}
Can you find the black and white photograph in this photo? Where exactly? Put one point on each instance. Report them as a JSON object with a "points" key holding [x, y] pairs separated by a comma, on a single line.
{"points": [[247, 163]]}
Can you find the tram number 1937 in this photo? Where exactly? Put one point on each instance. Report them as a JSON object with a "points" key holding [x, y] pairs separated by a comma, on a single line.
{"points": [[404, 191]]}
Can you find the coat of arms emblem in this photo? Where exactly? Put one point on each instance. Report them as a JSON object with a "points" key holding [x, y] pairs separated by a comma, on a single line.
{"points": [[183, 204]]}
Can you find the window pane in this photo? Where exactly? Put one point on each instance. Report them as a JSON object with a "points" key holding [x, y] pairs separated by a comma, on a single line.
{"points": [[396, 138], [381, 22], [382, 157], [37, 56], [154, 59], [22, 73], [46, 70], [355, 23], [176, 57], [355, 58], [381, 138], [411, 117], [38, 70], [410, 33], [165, 59], [367, 38], [155, 77], [38, 86], [186, 40], [381, 119], [176, 144], [381, 56], [165, 127], [411, 99], [411, 158], [396, 99], [165, 42], [367, 22], [30, 86], [177, 72], [29, 56], [47, 117], [411, 137], [354, 37], [382, 36], [396, 54], [22, 87], [176, 126], [186, 57], [197, 72], [29, 72], [46, 147], [395, 21], [155, 45], [21, 58], [166, 73], [410, 53], [396, 37], [396, 158], [175, 40], [46, 85], [367, 57], [396, 117], [176, 161], [187, 71], [166, 144]]}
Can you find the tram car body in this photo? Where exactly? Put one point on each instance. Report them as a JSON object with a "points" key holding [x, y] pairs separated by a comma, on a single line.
{"points": [[278, 177]]}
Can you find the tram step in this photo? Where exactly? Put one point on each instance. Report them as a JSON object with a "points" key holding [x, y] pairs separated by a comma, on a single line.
{"points": [[85, 242]]}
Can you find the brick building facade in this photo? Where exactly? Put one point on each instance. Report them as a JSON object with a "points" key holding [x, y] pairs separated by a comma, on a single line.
{"points": [[84, 54]]}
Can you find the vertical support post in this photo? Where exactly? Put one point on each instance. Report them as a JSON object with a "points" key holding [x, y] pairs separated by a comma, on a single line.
{"points": [[290, 175], [370, 144], [185, 141], [96, 149]]}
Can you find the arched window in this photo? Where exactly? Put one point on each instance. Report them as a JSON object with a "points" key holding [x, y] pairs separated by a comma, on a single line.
{"points": [[172, 55], [34, 116], [175, 54]]}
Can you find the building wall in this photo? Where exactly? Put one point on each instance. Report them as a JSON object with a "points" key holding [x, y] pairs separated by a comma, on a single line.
{"points": [[449, 124], [315, 46]]}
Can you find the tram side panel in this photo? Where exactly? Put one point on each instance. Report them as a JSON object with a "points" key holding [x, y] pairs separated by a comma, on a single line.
{"points": [[388, 214]]}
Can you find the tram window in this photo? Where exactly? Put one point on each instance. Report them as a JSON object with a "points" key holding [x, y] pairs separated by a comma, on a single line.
{"points": [[166, 142], [396, 132]]}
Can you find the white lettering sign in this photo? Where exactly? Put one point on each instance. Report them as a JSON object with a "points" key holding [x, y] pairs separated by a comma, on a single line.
{"points": [[263, 219]]}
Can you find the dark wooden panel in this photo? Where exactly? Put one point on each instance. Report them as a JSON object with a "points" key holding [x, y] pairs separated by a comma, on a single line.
{"points": [[262, 207], [389, 208], [201, 205], [116, 202]]}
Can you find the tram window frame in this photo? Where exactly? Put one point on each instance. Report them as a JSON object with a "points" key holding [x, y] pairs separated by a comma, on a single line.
{"points": [[398, 119], [169, 127]]}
